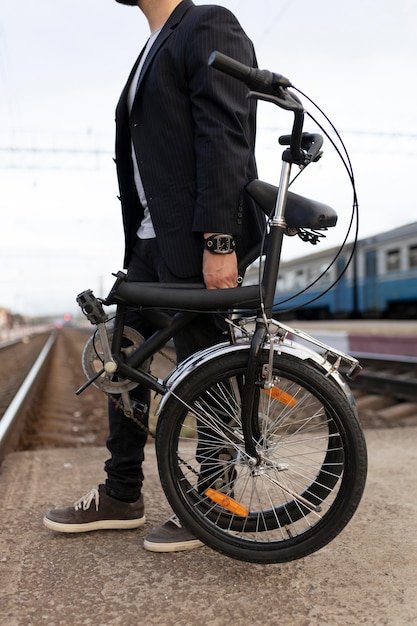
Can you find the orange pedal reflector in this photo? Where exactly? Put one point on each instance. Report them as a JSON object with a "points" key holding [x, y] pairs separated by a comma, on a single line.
{"points": [[281, 395], [226, 502]]}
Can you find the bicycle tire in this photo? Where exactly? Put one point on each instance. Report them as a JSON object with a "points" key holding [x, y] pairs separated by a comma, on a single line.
{"points": [[313, 459]]}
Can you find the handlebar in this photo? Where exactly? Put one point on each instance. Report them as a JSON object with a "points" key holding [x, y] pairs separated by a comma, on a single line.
{"points": [[262, 81], [310, 142], [265, 85]]}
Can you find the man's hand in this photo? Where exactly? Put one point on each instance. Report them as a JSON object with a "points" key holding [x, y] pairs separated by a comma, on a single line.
{"points": [[220, 270]]}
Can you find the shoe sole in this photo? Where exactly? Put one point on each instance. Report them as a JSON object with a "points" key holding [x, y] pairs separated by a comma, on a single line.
{"points": [[178, 546], [107, 524]]}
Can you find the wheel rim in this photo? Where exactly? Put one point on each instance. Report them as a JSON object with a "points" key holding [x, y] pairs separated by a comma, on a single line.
{"points": [[294, 501], [302, 458]]}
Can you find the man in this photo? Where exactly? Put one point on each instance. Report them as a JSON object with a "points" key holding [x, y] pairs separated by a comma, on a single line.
{"points": [[185, 137]]}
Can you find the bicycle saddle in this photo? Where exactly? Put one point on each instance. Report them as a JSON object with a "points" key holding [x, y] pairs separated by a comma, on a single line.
{"points": [[300, 212]]}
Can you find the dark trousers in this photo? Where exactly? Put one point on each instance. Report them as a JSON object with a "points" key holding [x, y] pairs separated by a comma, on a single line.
{"points": [[126, 441]]}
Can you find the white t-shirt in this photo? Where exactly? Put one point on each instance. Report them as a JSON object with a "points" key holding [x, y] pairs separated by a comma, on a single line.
{"points": [[146, 230]]}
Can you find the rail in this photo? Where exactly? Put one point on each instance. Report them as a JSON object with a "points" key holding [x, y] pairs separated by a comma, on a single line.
{"points": [[385, 383], [12, 422], [394, 375]]}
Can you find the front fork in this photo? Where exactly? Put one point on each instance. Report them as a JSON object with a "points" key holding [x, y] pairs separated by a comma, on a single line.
{"points": [[250, 418]]}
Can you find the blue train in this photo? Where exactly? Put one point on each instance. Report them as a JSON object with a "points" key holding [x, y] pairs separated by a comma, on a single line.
{"points": [[380, 282]]}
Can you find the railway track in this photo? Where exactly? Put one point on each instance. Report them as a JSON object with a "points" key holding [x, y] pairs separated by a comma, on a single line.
{"points": [[386, 390], [50, 414]]}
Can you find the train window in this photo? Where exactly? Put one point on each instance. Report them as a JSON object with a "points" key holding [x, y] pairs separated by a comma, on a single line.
{"points": [[393, 260], [325, 271], [299, 279], [412, 256]]}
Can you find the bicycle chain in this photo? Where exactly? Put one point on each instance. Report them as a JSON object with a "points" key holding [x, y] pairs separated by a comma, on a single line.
{"points": [[140, 423], [139, 420]]}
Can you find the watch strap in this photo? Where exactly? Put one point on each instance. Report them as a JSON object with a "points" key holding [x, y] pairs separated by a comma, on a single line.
{"points": [[220, 244]]}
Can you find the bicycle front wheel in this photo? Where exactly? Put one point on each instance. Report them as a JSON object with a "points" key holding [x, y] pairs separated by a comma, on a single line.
{"points": [[312, 468]]}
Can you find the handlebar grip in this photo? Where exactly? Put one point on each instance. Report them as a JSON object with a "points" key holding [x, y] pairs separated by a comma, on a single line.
{"points": [[284, 140], [311, 142], [307, 140], [262, 81], [230, 66]]}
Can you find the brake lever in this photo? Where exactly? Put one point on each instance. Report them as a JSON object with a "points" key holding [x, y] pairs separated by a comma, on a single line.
{"points": [[289, 102]]}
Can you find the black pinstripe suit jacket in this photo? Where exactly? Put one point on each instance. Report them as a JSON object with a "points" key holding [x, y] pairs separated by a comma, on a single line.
{"points": [[193, 130]]}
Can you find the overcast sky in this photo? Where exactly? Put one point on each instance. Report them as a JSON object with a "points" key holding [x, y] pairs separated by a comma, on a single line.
{"points": [[63, 65]]}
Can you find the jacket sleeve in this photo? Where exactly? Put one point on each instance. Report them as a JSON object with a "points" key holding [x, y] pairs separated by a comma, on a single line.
{"points": [[225, 120]]}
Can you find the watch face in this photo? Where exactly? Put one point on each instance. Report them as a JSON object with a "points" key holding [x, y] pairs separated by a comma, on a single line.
{"points": [[220, 244], [224, 244]]}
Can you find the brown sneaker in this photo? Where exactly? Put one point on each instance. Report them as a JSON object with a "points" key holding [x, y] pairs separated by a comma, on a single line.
{"points": [[106, 513], [171, 537]]}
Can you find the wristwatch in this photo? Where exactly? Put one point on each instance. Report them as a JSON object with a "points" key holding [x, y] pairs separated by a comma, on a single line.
{"points": [[220, 244]]}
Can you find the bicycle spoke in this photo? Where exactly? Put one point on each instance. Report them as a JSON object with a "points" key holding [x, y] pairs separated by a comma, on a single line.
{"points": [[282, 507]]}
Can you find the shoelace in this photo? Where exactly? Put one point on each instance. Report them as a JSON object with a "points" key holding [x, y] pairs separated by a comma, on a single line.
{"points": [[85, 501], [174, 519]]}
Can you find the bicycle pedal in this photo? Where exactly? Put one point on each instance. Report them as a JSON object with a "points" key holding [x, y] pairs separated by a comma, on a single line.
{"points": [[140, 409], [91, 307]]}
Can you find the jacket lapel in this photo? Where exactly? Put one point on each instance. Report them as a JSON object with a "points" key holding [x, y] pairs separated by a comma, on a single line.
{"points": [[168, 28], [121, 108]]}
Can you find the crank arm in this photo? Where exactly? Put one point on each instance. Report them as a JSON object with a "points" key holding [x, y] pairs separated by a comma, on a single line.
{"points": [[90, 381]]}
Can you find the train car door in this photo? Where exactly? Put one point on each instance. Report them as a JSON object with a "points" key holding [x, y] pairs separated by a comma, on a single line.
{"points": [[342, 304], [370, 287]]}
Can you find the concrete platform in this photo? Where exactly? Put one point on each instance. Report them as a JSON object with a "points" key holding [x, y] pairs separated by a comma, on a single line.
{"points": [[366, 576], [390, 337]]}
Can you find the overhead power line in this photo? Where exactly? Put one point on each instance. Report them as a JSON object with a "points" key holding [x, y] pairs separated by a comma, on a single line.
{"points": [[55, 156]]}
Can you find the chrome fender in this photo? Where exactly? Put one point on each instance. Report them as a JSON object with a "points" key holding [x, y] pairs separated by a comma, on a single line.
{"points": [[286, 346]]}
